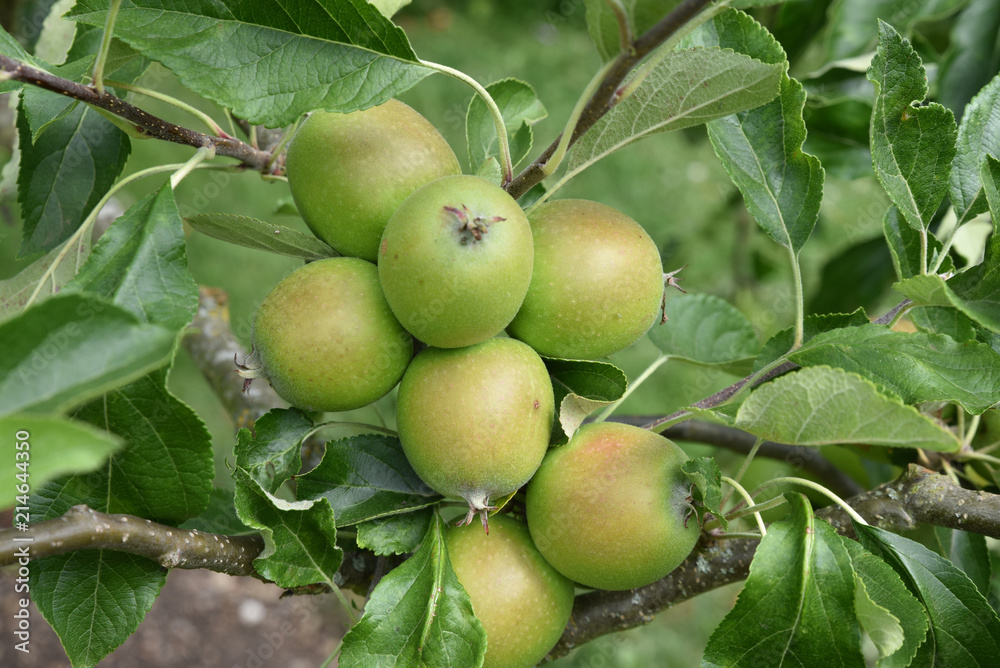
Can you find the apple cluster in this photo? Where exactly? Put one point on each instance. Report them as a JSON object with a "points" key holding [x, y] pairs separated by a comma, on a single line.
{"points": [[452, 262]]}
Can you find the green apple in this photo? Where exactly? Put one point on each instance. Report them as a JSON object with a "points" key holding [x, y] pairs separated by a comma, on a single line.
{"points": [[349, 172], [325, 338], [597, 284], [610, 508], [455, 261], [475, 422], [523, 603]]}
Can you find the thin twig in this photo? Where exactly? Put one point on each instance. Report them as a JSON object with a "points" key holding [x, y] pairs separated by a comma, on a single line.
{"points": [[143, 122], [601, 101], [799, 457]]}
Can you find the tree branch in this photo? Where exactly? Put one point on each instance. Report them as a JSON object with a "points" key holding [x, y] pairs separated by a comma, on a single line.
{"points": [[919, 496], [143, 122], [82, 528], [602, 99]]}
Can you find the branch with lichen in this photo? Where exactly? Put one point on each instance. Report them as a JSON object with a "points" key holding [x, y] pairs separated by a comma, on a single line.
{"points": [[142, 122]]}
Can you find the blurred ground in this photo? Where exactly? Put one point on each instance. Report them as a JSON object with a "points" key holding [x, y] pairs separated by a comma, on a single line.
{"points": [[201, 619]]}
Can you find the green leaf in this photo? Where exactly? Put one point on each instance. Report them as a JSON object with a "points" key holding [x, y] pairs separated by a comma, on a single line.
{"points": [[975, 292], [964, 629], [912, 147], [894, 619], [969, 553], [64, 175], [706, 486], [520, 107], [882, 626], [781, 343], [797, 607], [683, 89], [914, 366], [395, 534], [300, 537], [853, 22], [261, 235], [53, 270], [641, 14], [71, 348], [42, 107], [365, 477], [80, 448], [491, 171], [418, 615], [990, 175], [94, 599], [581, 387], [166, 468], [825, 406], [389, 7], [703, 329], [271, 61], [973, 55], [271, 453], [761, 149], [219, 517], [977, 139], [942, 320], [140, 263]]}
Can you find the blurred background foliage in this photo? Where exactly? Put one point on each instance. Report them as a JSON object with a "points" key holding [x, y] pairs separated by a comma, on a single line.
{"points": [[672, 184]]}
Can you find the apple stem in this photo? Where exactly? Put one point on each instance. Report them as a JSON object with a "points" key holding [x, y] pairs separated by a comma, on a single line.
{"points": [[506, 166]]}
